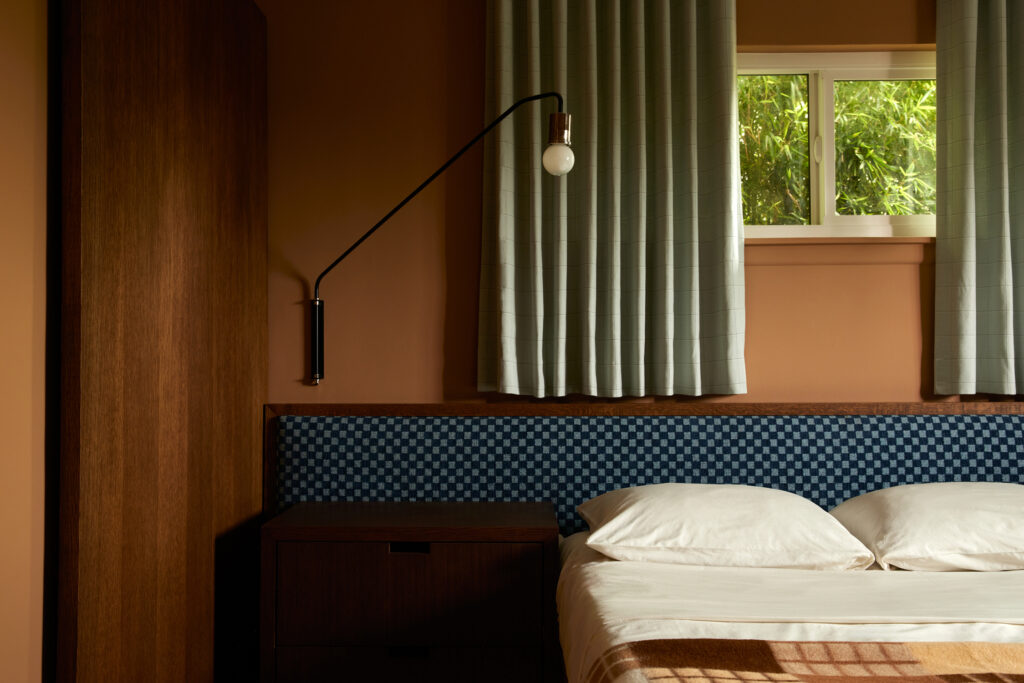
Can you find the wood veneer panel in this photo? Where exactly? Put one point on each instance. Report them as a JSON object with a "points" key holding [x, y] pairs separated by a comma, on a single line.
{"points": [[350, 520], [410, 583], [657, 407], [164, 332], [332, 593], [493, 664], [70, 343], [474, 582]]}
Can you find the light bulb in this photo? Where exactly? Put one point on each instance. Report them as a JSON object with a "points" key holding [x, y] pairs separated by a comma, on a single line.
{"points": [[558, 159]]}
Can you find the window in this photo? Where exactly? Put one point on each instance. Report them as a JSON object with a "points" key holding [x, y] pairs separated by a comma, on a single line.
{"points": [[837, 145]]}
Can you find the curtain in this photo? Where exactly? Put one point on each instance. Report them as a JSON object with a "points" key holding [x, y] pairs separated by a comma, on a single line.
{"points": [[979, 241], [625, 277]]}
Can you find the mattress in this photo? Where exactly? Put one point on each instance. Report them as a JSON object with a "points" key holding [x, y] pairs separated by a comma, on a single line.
{"points": [[605, 603]]}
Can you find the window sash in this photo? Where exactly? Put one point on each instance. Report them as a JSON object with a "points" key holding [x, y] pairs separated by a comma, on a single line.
{"points": [[823, 70]]}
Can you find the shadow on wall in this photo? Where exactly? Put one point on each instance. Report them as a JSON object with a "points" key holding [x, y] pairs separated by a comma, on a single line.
{"points": [[236, 603], [54, 293], [464, 89], [928, 324]]}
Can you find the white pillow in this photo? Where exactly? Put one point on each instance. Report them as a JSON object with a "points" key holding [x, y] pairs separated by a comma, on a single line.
{"points": [[941, 527], [719, 525]]}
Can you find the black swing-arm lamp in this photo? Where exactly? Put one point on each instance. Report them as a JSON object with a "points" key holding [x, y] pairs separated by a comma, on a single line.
{"points": [[558, 160]]}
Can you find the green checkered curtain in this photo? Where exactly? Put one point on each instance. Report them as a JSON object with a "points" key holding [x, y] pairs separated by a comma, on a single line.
{"points": [[625, 277], [979, 231]]}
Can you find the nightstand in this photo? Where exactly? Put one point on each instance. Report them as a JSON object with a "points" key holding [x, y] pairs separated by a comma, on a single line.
{"points": [[410, 592]]}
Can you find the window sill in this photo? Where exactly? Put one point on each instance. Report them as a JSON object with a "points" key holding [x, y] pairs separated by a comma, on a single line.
{"points": [[834, 241], [850, 227]]}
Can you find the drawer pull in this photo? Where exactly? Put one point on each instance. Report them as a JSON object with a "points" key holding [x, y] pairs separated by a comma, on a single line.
{"points": [[409, 547], [409, 652]]}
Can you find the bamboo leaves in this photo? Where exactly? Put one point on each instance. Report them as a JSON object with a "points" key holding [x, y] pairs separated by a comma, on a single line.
{"points": [[774, 148], [884, 148]]}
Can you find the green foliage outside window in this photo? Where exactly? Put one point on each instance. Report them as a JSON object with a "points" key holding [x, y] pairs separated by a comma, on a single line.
{"points": [[774, 164], [885, 147]]}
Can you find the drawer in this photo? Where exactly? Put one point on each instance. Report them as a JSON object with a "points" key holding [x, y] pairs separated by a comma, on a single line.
{"points": [[450, 665], [408, 594]]}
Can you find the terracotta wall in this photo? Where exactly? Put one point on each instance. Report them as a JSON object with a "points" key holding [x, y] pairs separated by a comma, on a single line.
{"points": [[839, 320], [22, 335], [366, 101], [797, 25]]}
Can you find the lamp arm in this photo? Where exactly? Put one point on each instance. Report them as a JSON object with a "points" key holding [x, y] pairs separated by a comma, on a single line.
{"points": [[317, 304], [433, 176]]}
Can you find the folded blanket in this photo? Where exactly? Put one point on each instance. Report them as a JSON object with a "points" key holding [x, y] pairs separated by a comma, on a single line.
{"points": [[747, 661]]}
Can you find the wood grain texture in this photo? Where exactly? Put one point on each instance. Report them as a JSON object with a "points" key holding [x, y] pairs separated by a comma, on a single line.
{"points": [[164, 331], [436, 665], [438, 582], [519, 521], [70, 343], [456, 594], [658, 407]]}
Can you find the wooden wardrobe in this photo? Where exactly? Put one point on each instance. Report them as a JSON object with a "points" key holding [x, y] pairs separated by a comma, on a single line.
{"points": [[163, 338]]}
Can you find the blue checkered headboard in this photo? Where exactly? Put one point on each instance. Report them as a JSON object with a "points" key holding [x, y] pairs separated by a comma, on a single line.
{"points": [[567, 460]]}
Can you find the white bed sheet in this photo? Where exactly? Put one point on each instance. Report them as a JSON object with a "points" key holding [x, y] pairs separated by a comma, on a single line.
{"points": [[604, 602]]}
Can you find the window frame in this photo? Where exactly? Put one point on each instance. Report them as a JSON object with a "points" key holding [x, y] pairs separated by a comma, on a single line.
{"points": [[822, 70]]}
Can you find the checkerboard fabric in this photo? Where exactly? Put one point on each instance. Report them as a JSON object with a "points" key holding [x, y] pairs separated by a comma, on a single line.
{"points": [[568, 460]]}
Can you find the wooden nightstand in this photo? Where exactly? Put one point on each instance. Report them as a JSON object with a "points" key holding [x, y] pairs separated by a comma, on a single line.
{"points": [[410, 592]]}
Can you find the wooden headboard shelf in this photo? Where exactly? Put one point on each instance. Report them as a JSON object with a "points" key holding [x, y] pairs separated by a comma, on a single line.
{"points": [[657, 407]]}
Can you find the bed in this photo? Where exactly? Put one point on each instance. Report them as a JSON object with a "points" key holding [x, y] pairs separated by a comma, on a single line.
{"points": [[615, 616], [618, 618], [721, 582]]}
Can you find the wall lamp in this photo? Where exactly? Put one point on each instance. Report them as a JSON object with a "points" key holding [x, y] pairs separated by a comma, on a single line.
{"points": [[558, 160]]}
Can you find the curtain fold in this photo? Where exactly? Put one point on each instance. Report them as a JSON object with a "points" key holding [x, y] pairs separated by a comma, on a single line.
{"points": [[979, 245], [624, 278]]}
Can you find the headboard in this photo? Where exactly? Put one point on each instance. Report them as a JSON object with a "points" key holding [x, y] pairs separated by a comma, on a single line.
{"points": [[567, 453]]}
